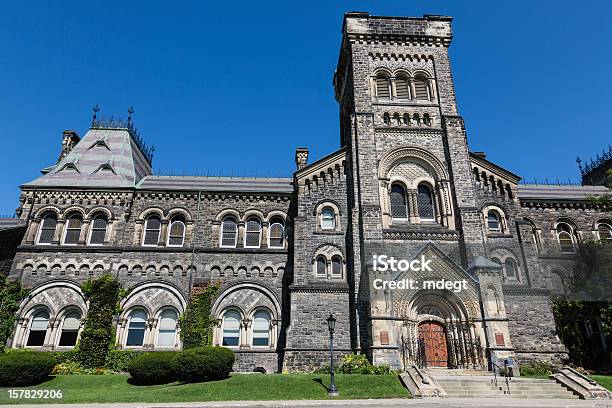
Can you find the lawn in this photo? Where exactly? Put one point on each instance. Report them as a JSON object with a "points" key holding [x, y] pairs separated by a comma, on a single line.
{"points": [[115, 388]]}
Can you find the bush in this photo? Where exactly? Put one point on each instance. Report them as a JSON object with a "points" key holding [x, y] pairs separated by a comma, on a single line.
{"points": [[203, 364], [119, 360], [355, 364], [62, 357], [23, 369], [152, 368], [537, 368]]}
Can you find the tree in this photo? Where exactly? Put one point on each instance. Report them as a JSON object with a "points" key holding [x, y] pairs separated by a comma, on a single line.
{"points": [[11, 295]]}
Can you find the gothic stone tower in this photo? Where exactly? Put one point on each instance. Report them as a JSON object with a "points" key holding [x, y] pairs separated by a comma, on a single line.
{"points": [[411, 195]]}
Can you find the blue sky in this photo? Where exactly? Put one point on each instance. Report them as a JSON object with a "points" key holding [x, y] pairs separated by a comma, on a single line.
{"points": [[232, 88]]}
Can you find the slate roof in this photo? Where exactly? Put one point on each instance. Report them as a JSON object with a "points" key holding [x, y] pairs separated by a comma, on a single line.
{"points": [[104, 158], [556, 192], [233, 184], [11, 223]]}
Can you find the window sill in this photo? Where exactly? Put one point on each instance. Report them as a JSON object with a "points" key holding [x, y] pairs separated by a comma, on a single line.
{"points": [[324, 232], [498, 235]]}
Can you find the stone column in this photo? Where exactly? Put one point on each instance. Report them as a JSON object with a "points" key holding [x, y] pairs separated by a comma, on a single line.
{"points": [[413, 211], [32, 231], [150, 331], [84, 232], [163, 234], [21, 332], [59, 230], [244, 334]]}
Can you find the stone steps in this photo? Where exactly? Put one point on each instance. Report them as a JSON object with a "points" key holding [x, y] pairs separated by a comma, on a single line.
{"points": [[480, 384]]}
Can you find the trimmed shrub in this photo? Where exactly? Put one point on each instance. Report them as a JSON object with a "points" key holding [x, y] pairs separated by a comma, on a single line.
{"points": [[23, 369], [152, 368], [537, 368], [204, 364], [62, 357], [355, 364], [119, 360]]}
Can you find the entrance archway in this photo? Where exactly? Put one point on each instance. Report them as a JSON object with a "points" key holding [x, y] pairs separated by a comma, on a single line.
{"points": [[433, 344]]}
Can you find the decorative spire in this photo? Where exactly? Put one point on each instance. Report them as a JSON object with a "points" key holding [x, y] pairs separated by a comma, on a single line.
{"points": [[579, 163], [130, 112], [96, 109]]}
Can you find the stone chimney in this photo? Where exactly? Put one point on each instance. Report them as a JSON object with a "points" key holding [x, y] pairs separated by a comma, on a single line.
{"points": [[71, 138], [301, 157]]}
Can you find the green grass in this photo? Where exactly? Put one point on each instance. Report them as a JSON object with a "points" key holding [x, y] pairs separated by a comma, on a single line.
{"points": [[603, 380], [115, 388]]}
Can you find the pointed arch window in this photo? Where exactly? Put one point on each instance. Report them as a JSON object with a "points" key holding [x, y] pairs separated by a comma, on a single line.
{"points": [[261, 329], [277, 233], [73, 229], [566, 239], [167, 328], [70, 329], [231, 328], [97, 234], [176, 232], [252, 238], [136, 328], [421, 88], [383, 89], [47, 229], [425, 203], [399, 203], [152, 231], [38, 329]]}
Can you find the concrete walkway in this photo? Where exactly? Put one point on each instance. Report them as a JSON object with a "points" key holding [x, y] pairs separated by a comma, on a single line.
{"points": [[386, 403]]}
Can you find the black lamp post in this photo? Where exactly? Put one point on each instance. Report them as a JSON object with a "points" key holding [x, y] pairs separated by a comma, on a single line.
{"points": [[331, 325]]}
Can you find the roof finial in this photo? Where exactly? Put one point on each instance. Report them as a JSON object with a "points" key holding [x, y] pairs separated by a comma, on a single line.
{"points": [[579, 163], [96, 109], [130, 111]]}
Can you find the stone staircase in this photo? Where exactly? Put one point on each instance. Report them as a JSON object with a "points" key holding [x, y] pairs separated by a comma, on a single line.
{"points": [[480, 384]]}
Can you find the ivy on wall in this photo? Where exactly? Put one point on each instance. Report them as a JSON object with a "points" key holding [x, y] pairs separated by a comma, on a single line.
{"points": [[197, 323], [11, 295], [97, 337]]}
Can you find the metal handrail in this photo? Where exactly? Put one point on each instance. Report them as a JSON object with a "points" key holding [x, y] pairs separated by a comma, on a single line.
{"points": [[495, 366]]}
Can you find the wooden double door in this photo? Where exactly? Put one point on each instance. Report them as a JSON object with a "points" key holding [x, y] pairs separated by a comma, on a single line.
{"points": [[432, 339]]}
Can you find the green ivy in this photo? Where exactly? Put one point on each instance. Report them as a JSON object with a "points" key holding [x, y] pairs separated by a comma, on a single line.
{"points": [[11, 295], [97, 336], [197, 323]]}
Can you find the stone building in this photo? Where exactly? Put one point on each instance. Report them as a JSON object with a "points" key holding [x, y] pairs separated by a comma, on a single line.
{"points": [[290, 251]]}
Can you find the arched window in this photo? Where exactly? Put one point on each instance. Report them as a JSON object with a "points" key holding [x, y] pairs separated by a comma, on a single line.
{"points": [[167, 328], [176, 232], [47, 229], [97, 235], [70, 329], [261, 329], [565, 237], [402, 87], [136, 328], [425, 203], [494, 221], [604, 231], [252, 238], [421, 89], [73, 230], [152, 231], [336, 266], [382, 87], [38, 329], [229, 234], [328, 218], [277, 233], [399, 204], [231, 328], [511, 268], [321, 266]]}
